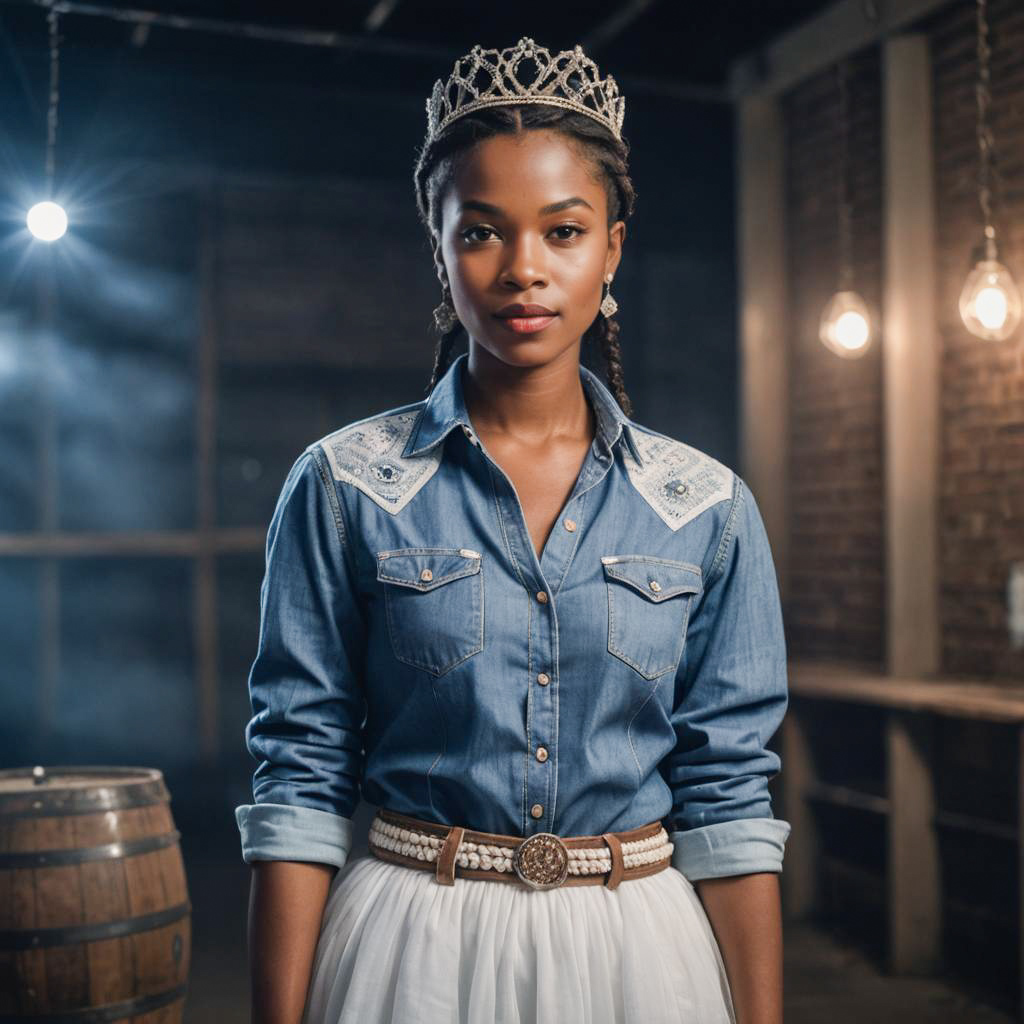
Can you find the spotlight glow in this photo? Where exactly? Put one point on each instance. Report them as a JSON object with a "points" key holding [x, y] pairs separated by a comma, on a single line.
{"points": [[47, 221]]}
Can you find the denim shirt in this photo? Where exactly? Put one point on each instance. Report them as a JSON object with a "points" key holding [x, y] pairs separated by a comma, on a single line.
{"points": [[413, 649]]}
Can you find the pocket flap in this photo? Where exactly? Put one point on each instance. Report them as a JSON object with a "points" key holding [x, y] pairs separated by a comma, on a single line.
{"points": [[656, 578], [426, 568]]}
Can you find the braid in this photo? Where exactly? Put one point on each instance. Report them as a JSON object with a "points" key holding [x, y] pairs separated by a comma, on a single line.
{"points": [[443, 355], [608, 336], [436, 165]]}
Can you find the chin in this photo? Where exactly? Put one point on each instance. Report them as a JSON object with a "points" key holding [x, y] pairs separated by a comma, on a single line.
{"points": [[525, 351]]}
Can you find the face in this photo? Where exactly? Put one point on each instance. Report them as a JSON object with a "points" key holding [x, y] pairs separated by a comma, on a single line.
{"points": [[524, 222]]}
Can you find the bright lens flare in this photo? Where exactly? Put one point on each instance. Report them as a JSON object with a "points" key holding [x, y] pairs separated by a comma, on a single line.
{"points": [[47, 221]]}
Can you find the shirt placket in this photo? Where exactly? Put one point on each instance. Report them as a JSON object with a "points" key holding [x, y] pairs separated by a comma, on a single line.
{"points": [[541, 777]]}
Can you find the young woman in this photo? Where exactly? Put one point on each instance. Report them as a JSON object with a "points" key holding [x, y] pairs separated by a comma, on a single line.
{"points": [[544, 640]]}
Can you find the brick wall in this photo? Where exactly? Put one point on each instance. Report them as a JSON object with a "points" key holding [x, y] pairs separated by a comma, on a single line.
{"points": [[981, 491], [835, 606]]}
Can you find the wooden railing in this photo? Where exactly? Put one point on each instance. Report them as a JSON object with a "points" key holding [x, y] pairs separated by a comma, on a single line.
{"points": [[872, 764]]}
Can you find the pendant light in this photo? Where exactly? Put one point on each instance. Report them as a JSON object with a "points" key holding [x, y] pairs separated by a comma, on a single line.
{"points": [[990, 305], [845, 325]]}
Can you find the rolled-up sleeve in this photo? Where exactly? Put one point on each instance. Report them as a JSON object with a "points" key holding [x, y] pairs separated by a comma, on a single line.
{"points": [[305, 685], [730, 697]]}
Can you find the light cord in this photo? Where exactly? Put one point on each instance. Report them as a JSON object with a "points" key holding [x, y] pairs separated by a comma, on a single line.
{"points": [[986, 139], [54, 99]]}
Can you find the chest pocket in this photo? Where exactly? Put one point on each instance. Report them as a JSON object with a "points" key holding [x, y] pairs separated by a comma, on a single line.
{"points": [[434, 603], [648, 610]]}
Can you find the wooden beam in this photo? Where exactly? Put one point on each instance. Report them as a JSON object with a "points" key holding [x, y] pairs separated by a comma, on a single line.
{"points": [[129, 543], [623, 15], [821, 41], [989, 702], [370, 43], [378, 14]]}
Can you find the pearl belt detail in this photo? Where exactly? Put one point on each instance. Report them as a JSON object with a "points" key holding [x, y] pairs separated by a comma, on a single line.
{"points": [[540, 861]]}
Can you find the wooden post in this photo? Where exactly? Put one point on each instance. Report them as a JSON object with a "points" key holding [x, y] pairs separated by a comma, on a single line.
{"points": [[910, 351], [49, 637], [800, 870], [915, 907], [1020, 869], [761, 246], [204, 604]]}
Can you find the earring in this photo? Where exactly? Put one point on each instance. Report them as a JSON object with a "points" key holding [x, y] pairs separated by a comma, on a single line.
{"points": [[445, 316], [608, 305]]}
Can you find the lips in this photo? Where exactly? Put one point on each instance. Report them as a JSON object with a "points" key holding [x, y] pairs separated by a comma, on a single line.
{"points": [[522, 310]]}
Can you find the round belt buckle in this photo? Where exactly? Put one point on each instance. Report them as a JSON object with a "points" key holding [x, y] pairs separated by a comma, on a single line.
{"points": [[542, 861]]}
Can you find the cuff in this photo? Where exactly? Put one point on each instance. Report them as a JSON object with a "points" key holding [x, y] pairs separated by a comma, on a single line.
{"points": [[739, 847], [292, 832]]}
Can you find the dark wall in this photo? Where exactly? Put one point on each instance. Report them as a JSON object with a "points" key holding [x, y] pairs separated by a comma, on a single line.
{"points": [[244, 194]]}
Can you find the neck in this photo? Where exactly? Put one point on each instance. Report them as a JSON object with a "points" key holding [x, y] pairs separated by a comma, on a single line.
{"points": [[531, 404]]}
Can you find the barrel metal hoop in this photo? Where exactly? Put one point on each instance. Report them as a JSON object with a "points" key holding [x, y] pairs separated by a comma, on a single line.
{"points": [[102, 1014], [108, 851], [59, 803], [40, 938]]}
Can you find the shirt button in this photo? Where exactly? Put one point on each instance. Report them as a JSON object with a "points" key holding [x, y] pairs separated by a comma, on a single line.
{"points": [[543, 678], [655, 586], [570, 524], [542, 597], [542, 753], [426, 575], [537, 810]]}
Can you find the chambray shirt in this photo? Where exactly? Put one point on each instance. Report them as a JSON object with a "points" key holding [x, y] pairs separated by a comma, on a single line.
{"points": [[415, 651]]}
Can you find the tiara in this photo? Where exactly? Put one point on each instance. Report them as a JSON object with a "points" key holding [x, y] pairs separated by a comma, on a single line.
{"points": [[489, 78]]}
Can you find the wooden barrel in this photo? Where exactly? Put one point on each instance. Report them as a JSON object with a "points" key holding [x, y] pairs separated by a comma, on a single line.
{"points": [[95, 920]]}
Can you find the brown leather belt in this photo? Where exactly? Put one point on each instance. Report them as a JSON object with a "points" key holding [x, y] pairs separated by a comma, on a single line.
{"points": [[541, 861]]}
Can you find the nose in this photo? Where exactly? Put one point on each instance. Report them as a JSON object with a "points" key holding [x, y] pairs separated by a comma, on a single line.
{"points": [[524, 266]]}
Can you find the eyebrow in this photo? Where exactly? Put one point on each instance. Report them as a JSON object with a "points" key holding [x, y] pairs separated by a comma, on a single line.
{"points": [[564, 204]]}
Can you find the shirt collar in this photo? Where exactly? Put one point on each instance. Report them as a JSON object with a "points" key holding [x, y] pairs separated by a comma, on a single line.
{"points": [[445, 409]]}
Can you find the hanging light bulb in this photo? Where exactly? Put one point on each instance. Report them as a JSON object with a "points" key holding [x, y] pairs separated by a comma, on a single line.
{"points": [[845, 327], [845, 324], [990, 304], [48, 220]]}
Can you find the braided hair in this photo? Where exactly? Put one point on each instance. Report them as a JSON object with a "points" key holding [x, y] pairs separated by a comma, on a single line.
{"points": [[436, 166]]}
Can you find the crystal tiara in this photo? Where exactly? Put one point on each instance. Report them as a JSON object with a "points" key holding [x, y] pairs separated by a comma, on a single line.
{"points": [[488, 78]]}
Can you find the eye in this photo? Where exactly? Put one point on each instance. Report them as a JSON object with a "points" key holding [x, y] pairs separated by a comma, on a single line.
{"points": [[569, 227], [466, 235]]}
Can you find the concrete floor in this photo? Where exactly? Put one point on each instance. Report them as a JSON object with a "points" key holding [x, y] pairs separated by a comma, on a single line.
{"points": [[825, 981]]}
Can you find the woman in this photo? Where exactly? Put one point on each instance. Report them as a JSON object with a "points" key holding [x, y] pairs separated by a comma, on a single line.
{"points": [[544, 640]]}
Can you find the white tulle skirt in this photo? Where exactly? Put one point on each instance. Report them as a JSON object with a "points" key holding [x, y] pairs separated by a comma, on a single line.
{"points": [[396, 947]]}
